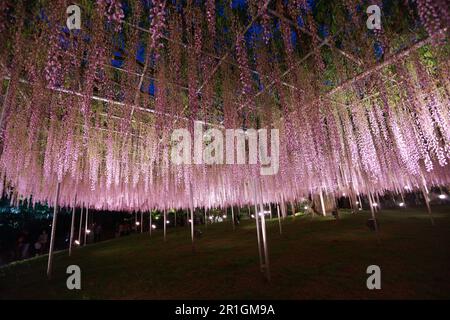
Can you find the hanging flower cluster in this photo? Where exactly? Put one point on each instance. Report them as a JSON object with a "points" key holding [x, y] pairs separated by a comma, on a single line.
{"points": [[157, 24], [435, 14], [114, 12], [94, 111], [211, 16]]}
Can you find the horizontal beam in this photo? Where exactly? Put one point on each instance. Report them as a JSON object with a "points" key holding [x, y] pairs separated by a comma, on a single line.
{"points": [[304, 30], [114, 102]]}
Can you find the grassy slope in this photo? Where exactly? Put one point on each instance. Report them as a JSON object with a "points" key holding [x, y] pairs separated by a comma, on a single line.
{"points": [[314, 258]]}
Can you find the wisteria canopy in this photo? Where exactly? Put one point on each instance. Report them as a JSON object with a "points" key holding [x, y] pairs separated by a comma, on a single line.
{"points": [[93, 109]]}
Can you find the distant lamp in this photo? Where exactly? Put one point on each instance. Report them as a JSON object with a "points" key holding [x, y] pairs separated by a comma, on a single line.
{"points": [[442, 196], [357, 202], [153, 226], [253, 216], [401, 204], [77, 242], [306, 207], [224, 216], [138, 223], [375, 204], [167, 222], [88, 231]]}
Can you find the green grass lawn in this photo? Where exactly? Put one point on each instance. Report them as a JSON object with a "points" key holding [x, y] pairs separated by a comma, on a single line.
{"points": [[315, 258]]}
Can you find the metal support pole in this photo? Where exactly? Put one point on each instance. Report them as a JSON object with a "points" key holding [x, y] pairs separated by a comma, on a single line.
{"points": [[52, 237], [360, 202], [150, 223], [86, 226], [72, 227], [403, 199], [81, 225], [261, 262], [350, 200], [165, 224], [232, 217], [264, 236], [377, 198], [206, 220], [322, 203], [373, 214], [427, 202], [192, 216], [279, 217], [142, 222]]}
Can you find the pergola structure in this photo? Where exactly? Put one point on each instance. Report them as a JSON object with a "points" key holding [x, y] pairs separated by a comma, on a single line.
{"points": [[88, 114]]}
